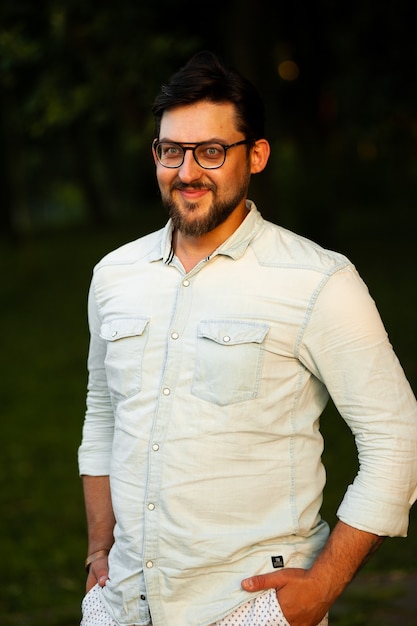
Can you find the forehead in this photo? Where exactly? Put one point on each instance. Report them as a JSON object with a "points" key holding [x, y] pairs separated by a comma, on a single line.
{"points": [[199, 122]]}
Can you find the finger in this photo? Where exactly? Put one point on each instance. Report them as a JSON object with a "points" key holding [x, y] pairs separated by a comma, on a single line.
{"points": [[101, 575], [92, 580], [99, 572], [263, 581]]}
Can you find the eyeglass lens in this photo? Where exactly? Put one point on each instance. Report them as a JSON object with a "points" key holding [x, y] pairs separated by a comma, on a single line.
{"points": [[207, 155]]}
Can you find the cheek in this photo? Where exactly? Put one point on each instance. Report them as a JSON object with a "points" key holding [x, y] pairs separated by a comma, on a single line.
{"points": [[164, 176]]}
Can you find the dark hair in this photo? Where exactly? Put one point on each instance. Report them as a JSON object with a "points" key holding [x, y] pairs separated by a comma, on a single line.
{"points": [[206, 77]]}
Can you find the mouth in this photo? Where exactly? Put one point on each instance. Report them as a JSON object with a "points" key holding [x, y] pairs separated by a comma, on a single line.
{"points": [[192, 193]]}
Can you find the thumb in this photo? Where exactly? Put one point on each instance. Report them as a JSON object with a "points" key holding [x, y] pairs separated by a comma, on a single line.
{"points": [[274, 580], [102, 575], [99, 572]]}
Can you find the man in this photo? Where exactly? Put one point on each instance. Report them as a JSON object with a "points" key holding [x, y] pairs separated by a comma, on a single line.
{"points": [[215, 343]]}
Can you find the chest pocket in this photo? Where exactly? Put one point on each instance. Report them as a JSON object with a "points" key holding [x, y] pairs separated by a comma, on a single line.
{"points": [[126, 340], [229, 360]]}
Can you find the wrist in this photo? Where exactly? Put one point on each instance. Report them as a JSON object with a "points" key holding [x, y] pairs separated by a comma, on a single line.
{"points": [[94, 556]]}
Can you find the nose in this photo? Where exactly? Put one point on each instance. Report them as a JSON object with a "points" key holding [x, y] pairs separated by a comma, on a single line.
{"points": [[190, 169]]}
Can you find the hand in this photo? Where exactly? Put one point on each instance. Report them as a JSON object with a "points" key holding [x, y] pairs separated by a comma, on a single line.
{"points": [[98, 573], [305, 596], [300, 596]]}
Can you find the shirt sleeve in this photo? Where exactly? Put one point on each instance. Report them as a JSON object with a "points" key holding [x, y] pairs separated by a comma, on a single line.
{"points": [[346, 346], [94, 453]]}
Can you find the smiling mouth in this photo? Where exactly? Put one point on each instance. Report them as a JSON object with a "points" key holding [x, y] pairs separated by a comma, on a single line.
{"points": [[193, 193]]}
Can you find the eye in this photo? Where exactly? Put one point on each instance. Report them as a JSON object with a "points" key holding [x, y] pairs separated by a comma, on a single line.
{"points": [[169, 151], [210, 151]]}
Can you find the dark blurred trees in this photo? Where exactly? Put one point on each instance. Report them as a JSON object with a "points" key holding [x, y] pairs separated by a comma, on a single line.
{"points": [[78, 77], [77, 82]]}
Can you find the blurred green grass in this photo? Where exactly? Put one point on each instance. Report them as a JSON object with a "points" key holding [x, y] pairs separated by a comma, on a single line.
{"points": [[43, 295]]}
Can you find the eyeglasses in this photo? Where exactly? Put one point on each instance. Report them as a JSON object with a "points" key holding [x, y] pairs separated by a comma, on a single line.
{"points": [[207, 154]]}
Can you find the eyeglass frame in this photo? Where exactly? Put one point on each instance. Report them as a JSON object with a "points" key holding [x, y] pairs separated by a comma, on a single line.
{"points": [[184, 148]]}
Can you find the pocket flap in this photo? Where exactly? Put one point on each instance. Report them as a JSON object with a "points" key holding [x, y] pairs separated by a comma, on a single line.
{"points": [[232, 332], [123, 327]]}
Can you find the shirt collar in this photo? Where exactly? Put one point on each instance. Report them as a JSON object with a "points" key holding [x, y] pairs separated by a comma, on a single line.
{"points": [[234, 247]]}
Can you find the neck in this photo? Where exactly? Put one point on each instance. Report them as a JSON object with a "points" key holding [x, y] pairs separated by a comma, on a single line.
{"points": [[190, 250]]}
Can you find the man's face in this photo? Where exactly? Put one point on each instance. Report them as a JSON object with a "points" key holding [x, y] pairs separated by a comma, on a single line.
{"points": [[198, 200]]}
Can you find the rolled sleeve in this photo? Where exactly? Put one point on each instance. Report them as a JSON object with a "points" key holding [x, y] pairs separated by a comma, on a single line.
{"points": [[94, 453], [346, 346]]}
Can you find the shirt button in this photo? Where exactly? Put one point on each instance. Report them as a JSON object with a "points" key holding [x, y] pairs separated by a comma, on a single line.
{"points": [[186, 283], [155, 447], [166, 391], [174, 335], [114, 333], [226, 339], [142, 597], [151, 506], [149, 564]]}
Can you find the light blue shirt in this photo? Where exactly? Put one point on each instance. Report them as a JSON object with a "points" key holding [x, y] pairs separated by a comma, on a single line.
{"points": [[205, 393]]}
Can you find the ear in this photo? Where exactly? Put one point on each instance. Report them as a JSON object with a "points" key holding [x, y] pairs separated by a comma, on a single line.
{"points": [[154, 153], [259, 155]]}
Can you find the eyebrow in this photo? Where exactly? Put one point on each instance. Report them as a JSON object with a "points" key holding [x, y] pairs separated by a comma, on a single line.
{"points": [[193, 143]]}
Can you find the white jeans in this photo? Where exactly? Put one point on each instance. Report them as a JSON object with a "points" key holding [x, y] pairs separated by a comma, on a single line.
{"points": [[263, 610]]}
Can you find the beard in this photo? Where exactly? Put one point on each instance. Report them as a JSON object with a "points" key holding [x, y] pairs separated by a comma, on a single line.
{"points": [[217, 213]]}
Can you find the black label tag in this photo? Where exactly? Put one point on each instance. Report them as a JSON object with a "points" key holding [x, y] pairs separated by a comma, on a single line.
{"points": [[277, 561]]}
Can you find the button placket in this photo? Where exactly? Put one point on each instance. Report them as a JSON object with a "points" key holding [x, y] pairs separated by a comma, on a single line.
{"points": [[167, 390]]}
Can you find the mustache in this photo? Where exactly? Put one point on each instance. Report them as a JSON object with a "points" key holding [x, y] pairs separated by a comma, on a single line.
{"points": [[181, 186]]}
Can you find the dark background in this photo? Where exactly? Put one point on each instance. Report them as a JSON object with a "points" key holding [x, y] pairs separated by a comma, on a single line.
{"points": [[78, 78], [77, 81]]}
